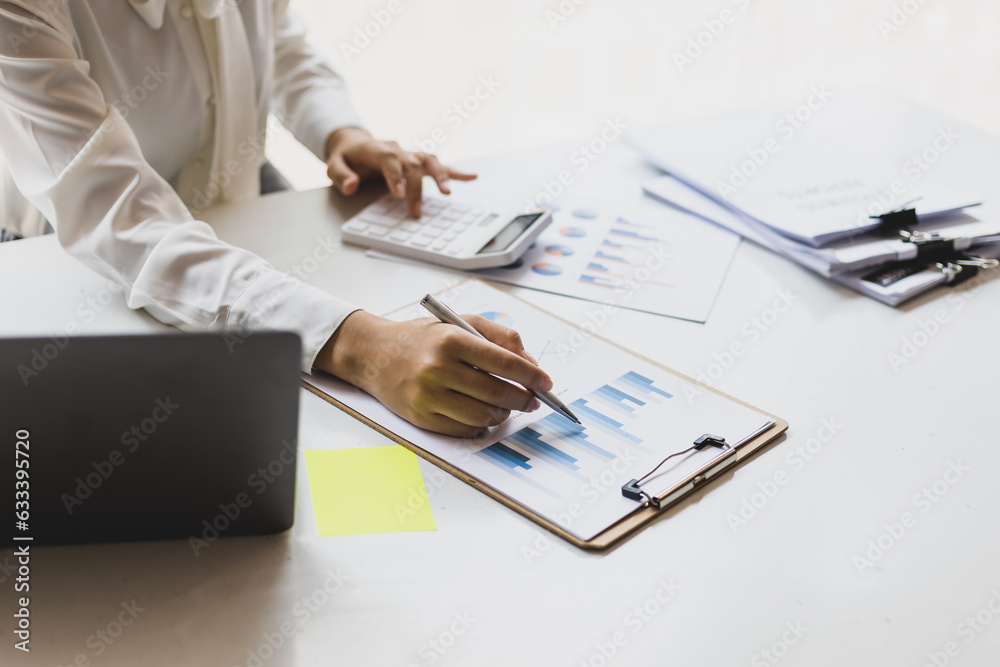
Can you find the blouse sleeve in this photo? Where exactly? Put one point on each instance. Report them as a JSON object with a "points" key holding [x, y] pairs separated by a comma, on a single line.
{"points": [[309, 96], [76, 159]]}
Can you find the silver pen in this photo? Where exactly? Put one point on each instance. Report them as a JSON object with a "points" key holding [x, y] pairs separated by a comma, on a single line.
{"points": [[449, 316]]}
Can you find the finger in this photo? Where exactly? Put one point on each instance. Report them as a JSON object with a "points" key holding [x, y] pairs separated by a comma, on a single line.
{"points": [[460, 175], [493, 358], [503, 336], [446, 425], [492, 391], [437, 171], [414, 173], [343, 176], [392, 171], [469, 411]]}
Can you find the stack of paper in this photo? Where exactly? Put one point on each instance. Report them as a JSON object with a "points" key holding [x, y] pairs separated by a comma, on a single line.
{"points": [[809, 189]]}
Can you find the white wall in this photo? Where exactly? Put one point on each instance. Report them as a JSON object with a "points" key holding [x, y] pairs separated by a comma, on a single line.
{"points": [[561, 79]]}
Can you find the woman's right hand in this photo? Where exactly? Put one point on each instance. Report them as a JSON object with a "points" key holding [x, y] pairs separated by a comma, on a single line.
{"points": [[436, 375]]}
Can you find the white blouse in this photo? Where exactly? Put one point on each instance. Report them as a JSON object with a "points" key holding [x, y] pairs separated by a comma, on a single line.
{"points": [[119, 118]]}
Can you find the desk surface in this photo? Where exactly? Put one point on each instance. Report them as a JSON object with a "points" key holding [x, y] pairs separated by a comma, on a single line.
{"points": [[869, 536]]}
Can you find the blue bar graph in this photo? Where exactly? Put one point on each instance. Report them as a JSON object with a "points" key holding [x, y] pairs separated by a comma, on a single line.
{"points": [[600, 254], [634, 235], [573, 434], [621, 246], [593, 418], [507, 456], [503, 464], [643, 384], [619, 397], [553, 454], [597, 280], [532, 439]]}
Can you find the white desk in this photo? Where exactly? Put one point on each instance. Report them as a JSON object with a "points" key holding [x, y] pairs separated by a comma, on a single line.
{"points": [[490, 588]]}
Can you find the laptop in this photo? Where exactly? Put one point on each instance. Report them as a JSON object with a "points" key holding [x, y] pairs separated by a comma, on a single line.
{"points": [[122, 438]]}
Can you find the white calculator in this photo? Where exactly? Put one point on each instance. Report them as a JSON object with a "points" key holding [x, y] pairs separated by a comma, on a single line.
{"points": [[448, 232]]}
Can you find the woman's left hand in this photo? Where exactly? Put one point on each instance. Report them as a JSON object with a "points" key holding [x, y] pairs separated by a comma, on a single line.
{"points": [[352, 155]]}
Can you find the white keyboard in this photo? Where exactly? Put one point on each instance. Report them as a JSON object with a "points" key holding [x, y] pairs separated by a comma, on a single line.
{"points": [[450, 233]]}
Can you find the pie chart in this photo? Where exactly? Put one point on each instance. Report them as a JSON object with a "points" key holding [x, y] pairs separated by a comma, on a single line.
{"points": [[559, 250], [546, 269], [585, 213], [573, 232]]}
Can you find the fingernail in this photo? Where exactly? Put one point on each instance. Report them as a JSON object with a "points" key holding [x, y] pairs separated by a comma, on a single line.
{"points": [[535, 404], [481, 433], [545, 384]]}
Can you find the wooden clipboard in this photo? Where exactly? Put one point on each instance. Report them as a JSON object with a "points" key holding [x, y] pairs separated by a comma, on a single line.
{"points": [[620, 530]]}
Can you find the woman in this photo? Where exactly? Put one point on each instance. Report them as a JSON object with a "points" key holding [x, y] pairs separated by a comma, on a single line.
{"points": [[119, 118]]}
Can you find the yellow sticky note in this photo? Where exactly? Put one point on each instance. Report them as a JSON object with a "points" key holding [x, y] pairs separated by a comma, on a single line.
{"points": [[367, 490]]}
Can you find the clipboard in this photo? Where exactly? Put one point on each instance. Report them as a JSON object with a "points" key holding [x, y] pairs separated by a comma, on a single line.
{"points": [[650, 507]]}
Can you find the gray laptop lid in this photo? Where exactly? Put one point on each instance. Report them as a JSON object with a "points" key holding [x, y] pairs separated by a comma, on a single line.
{"points": [[116, 438]]}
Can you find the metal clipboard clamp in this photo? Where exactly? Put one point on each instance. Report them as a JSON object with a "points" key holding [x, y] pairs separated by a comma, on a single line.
{"points": [[727, 456]]}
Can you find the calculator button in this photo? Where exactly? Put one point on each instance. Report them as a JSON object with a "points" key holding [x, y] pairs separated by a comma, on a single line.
{"points": [[378, 219], [450, 236], [420, 241], [377, 231], [454, 249], [439, 245], [411, 226], [399, 235], [356, 226], [433, 232]]}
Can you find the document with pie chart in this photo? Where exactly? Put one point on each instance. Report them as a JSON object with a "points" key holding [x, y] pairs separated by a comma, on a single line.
{"points": [[642, 256]]}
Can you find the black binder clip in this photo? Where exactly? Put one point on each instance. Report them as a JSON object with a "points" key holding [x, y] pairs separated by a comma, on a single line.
{"points": [[902, 217], [633, 488], [942, 253]]}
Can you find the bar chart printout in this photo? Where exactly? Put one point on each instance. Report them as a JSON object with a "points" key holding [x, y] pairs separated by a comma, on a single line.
{"points": [[633, 415], [573, 474]]}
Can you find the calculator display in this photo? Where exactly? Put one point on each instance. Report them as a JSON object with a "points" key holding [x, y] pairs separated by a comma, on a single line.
{"points": [[506, 236]]}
